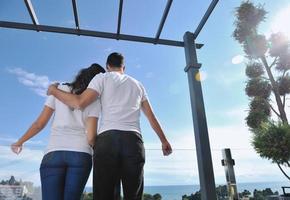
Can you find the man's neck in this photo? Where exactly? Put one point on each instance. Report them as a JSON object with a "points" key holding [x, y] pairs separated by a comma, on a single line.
{"points": [[117, 70]]}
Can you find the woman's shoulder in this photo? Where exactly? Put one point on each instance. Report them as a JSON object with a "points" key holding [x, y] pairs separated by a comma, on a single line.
{"points": [[64, 87]]}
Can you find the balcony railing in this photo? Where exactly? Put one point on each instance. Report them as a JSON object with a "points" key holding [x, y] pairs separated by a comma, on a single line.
{"points": [[171, 177]]}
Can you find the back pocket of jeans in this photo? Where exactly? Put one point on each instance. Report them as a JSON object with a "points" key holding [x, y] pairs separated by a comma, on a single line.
{"points": [[47, 158]]}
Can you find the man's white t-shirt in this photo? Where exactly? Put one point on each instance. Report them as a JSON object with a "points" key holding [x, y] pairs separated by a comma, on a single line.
{"points": [[120, 97], [68, 128]]}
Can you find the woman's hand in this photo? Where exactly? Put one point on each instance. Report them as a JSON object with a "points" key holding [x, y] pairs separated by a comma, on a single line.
{"points": [[16, 147]]}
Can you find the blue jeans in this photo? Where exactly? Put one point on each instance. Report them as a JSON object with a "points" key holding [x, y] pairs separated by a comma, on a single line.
{"points": [[64, 174]]}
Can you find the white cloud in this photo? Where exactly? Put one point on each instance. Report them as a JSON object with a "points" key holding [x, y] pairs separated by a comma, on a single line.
{"points": [[37, 83], [181, 166], [138, 66], [238, 59], [149, 75], [227, 78], [238, 113], [24, 166], [109, 49], [27, 155], [174, 88], [10, 140], [71, 22]]}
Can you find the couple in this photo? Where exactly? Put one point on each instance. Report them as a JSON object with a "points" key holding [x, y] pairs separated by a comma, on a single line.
{"points": [[118, 155]]}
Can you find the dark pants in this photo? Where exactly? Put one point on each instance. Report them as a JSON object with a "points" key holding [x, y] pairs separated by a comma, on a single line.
{"points": [[118, 155], [64, 174]]}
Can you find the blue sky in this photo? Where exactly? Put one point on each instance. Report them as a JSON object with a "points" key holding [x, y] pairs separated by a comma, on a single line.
{"points": [[30, 60]]}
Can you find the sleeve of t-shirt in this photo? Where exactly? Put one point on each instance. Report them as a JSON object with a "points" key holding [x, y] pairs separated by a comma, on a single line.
{"points": [[144, 93], [97, 84], [94, 109], [50, 102]]}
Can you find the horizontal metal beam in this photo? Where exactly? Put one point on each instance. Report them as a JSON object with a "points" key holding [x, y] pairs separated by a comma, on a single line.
{"points": [[120, 17], [75, 9], [163, 19], [205, 17], [31, 12], [91, 33]]}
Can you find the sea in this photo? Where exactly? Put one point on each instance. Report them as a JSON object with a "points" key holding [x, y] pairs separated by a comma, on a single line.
{"points": [[175, 192]]}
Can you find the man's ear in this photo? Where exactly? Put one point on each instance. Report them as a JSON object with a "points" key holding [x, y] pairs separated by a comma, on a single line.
{"points": [[124, 67]]}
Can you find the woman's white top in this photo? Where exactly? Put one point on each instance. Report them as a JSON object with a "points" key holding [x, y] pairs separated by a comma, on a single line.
{"points": [[68, 127]]}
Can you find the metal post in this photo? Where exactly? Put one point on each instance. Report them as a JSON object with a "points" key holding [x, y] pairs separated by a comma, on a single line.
{"points": [[229, 163], [119, 18], [75, 10], [205, 167], [164, 16]]}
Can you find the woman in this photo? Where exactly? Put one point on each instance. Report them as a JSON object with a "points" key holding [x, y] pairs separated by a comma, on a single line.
{"points": [[67, 162]]}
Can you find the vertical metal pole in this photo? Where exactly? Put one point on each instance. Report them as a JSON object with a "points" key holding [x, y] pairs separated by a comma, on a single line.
{"points": [[228, 162], [205, 167]]}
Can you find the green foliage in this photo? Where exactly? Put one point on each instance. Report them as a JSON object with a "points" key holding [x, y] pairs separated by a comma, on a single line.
{"points": [[261, 105], [157, 196], [255, 119], [152, 197], [272, 141], [248, 17], [221, 191], [87, 196], [195, 196], [283, 63], [284, 85], [255, 46], [260, 195], [259, 112], [258, 87], [254, 70], [245, 193], [222, 194]]}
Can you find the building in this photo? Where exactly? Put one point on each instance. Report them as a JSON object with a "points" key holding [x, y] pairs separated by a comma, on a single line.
{"points": [[13, 192]]}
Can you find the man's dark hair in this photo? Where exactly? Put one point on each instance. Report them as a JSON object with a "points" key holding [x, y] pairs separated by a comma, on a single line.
{"points": [[115, 60]]}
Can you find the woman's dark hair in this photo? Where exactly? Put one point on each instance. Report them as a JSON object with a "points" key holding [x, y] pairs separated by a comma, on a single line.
{"points": [[84, 77]]}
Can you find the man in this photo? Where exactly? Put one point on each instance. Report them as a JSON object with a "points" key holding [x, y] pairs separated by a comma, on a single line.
{"points": [[119, 152]]}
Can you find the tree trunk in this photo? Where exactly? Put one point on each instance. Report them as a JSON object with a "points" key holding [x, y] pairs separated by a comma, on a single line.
{"points": [[275, 91], [283, 171]]}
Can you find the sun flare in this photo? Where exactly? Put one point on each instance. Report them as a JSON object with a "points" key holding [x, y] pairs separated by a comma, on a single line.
{"points": [[281, 22]]}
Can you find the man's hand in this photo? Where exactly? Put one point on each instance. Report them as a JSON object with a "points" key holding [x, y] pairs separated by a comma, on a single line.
{"points": [[51, 88], [166, 148]]}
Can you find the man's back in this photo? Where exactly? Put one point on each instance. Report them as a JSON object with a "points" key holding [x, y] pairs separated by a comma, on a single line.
{"points": [[121, 97]]}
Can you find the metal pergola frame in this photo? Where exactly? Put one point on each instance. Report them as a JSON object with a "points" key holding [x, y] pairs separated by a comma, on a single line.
{"points": [[205, 167]]}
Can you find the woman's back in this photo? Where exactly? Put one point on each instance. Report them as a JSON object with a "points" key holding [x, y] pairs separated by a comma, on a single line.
{"points": [[68, 127]]}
